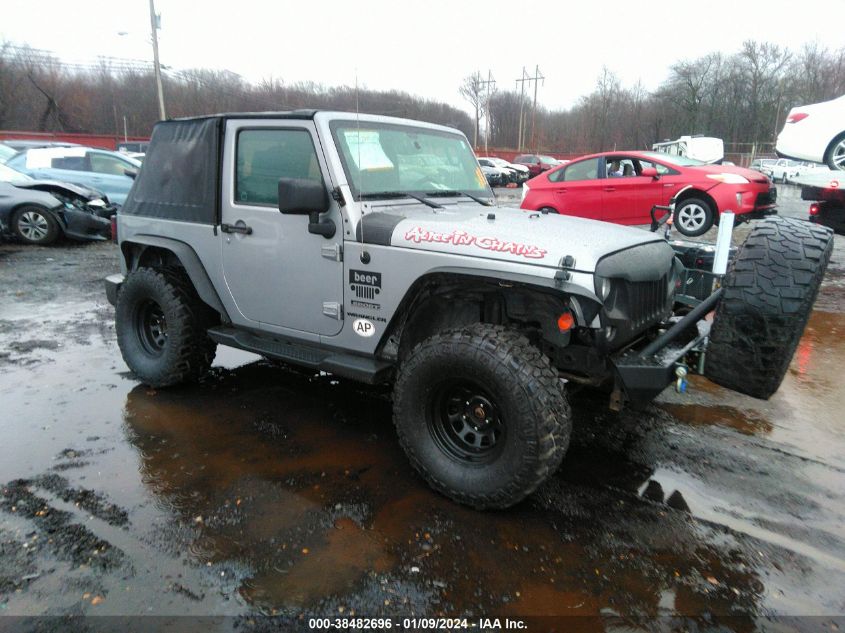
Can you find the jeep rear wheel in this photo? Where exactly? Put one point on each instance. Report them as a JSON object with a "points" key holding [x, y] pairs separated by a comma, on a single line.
{"points": [[769, 292], [481, 415], [161, 328]]}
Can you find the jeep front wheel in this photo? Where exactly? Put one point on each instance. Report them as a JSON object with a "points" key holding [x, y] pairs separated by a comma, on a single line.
{"points": [[481, 415], [161, 328]]}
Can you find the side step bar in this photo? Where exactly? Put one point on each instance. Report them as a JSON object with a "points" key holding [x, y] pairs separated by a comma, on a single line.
{"points": [[360, 368]]}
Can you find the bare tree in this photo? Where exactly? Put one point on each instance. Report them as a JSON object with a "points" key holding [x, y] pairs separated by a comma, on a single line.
{"points": [[472, 89]]}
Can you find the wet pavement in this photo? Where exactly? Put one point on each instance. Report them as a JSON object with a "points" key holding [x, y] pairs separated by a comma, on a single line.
{"points": [[264, 490]]}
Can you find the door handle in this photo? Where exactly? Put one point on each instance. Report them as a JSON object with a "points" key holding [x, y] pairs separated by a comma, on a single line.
{"points": [[669, 184], [561, 190], [610, 188], [236, 228]]}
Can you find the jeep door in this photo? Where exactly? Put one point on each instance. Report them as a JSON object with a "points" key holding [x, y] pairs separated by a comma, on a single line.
{"points": [[277, 273]]}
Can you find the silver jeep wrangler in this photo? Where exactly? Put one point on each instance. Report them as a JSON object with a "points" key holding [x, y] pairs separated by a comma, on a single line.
{"points": [[370, 247]]}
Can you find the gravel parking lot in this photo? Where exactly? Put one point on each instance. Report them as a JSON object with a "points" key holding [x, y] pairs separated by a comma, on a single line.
{"points": [[266, 491]]}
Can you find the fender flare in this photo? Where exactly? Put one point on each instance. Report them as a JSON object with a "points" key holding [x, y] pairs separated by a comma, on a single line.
{"points": [[583, 297], [190, 261]]}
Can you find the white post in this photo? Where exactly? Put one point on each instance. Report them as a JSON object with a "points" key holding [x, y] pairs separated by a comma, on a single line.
{"points": [[723, 243]]}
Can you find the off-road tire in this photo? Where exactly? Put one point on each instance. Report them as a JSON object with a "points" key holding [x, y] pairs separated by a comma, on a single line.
{"points": [[769, 292], [536, 417], [709, 216], [186, 351], [33, 219]]}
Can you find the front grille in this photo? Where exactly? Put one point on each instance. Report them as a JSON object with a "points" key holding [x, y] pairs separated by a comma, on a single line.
{"points": [[646, 301], [766, 198], [634, 306]]}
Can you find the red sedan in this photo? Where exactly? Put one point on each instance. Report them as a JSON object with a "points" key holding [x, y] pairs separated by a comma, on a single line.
{"points": [[622, 187], [536, 163]]}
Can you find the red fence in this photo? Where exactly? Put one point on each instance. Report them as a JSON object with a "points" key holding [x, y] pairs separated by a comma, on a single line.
{"points": [[105, 141]]}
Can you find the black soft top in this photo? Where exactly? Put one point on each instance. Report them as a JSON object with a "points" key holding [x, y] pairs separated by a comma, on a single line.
{"points": [[180, 176]]}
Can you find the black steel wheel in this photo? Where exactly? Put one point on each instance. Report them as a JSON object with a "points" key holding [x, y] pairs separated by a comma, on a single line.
{"points": [[481, 415], [162, 327], [151, 327], [466, 422]]}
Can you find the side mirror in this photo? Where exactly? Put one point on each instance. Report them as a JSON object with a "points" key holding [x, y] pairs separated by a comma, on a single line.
{"points": [[132, 173], [298, 196], [302, 197], [650, 172]]}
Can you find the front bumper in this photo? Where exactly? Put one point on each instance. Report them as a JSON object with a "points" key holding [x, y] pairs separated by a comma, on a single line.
{"points": [[757, 214], [113, 283], [82, 225], [644, 371]]}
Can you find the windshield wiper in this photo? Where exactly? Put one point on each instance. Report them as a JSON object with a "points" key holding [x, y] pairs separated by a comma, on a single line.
{"points": [[375, 195], [455, 192]]}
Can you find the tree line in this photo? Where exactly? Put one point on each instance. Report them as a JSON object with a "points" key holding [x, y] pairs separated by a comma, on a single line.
{"points": [[742, 98], [38, 92]]}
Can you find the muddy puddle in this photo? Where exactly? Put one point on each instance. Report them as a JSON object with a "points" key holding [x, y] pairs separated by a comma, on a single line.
{"points": [[263, 490], [807, 413]]}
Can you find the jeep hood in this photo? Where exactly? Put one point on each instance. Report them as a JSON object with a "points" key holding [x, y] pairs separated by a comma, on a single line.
{"points": [[499, 233]]}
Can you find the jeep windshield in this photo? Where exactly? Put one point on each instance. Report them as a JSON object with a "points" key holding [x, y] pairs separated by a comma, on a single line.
{"points": [[388, 160]]}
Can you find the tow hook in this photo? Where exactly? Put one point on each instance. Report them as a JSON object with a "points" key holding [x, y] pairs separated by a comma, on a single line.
{"points": [[681, 372]]}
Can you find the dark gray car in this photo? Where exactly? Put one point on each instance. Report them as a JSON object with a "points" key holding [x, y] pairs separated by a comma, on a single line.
{"points": [[40, 211]]}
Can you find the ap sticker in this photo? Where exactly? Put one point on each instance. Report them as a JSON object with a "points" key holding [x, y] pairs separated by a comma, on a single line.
{"points": [[363, 327]]}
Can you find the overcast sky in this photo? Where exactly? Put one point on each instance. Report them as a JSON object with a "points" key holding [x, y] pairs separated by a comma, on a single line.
{"points": [[424, 48]]}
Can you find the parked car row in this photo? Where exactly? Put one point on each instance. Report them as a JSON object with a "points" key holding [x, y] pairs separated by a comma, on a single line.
{"points": [[500, 173], [40, 211], [52, 189]]}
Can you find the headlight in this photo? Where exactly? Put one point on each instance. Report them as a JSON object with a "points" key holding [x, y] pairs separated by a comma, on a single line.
{"points": [[729, 179], [675, 276], [602, 288]]}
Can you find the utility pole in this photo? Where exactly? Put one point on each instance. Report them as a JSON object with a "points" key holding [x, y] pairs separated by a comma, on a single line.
{"points": [[521, 81], [156, 64], [537, 77], [490, 81]]}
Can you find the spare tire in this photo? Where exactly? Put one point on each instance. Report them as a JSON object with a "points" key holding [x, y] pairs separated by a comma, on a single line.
{"points": [[769, 291]]}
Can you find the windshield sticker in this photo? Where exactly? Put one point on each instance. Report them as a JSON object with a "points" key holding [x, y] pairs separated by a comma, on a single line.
{"points": [[480, 178], [462, 238], [366, 150]]}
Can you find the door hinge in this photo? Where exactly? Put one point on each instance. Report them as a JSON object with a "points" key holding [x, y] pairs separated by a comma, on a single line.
{"points": [[333, 309], [332, 251]]}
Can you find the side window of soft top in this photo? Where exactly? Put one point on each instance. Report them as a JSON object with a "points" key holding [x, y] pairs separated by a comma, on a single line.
{"points": [[264, 156]]}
